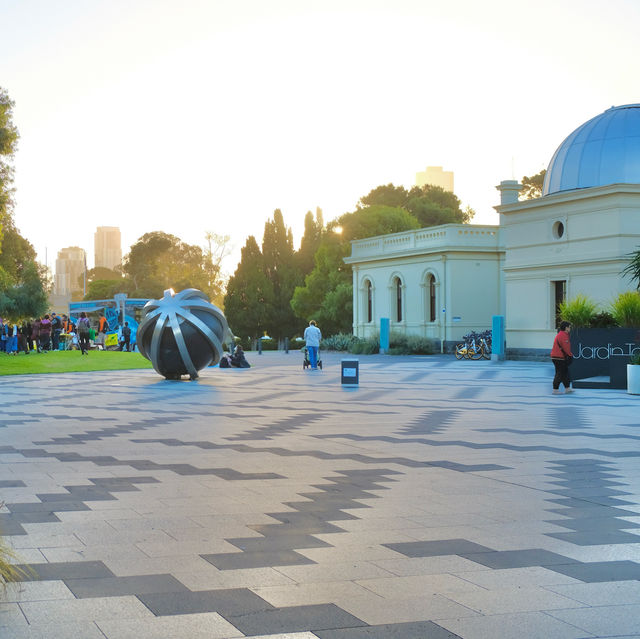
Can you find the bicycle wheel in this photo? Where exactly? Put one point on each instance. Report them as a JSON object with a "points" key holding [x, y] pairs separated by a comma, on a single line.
{"points": [[461, 351], [486, 351], [475, 352]]}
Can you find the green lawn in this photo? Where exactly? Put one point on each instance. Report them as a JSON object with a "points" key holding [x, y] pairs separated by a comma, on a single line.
{"points": [[70, 362]]}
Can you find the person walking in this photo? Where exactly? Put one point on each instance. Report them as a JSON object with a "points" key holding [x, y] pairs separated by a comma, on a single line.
{"points": [[312, 337], [45, 333], [56, 330], [83, 333], [561, 356], [125, 343]]}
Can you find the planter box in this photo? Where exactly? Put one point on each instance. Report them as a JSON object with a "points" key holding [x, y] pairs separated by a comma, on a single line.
{"points": [[601, 356], [633, 379]]}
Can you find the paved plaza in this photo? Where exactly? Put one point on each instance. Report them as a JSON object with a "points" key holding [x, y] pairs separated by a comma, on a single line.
{"points": [[438, 499]]}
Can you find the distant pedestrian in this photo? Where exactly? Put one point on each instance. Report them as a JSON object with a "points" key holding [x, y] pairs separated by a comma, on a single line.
{"points": [[561, 356], [125, 343], [45, 333], [56, 330], [83, 333], [312, 337]]}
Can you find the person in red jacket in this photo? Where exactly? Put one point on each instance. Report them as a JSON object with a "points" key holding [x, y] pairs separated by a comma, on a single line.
{"points": [[561, 356]]}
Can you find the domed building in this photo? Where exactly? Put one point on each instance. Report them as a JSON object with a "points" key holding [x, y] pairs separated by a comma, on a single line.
{"points": [[441, 282]]}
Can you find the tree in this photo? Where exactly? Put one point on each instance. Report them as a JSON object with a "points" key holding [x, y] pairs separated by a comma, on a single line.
{"points": [[249, 294], [432, 206], [8, 143], [280, 268], [327, 292], [158, 261], [217, 249], [385, 195], [532, 186], [313, 229]]}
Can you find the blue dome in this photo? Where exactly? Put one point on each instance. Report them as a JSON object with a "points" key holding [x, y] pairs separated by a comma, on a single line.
{"points": [[604, 150]]}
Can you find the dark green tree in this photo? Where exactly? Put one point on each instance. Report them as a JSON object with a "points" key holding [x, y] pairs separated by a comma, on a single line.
{"points": [[249, 295], [8, 144], [432, 206], [313, 229], [532, 185], [280, 268], [385, 195]]}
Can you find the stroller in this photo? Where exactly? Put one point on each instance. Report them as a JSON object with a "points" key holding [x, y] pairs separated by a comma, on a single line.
{"points": [[306, 363]]}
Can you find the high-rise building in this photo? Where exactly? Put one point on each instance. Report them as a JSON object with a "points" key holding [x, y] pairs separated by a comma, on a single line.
{"points": [[435, 176], [70, 266], [108, 247]]}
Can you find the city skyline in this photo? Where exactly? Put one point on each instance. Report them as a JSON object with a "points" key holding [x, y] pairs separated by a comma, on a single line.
{"points": [[208, 116]]}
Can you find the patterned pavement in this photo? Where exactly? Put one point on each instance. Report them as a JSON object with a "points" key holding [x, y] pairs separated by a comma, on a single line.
{"points": [[438, 499]]}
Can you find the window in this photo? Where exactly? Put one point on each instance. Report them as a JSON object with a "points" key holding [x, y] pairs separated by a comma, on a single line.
{"points": [[398, 288], [432, 298], [558, 229], [559, 296], [369, 290]]}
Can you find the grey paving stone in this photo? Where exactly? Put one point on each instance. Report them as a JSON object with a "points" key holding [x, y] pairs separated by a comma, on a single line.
{"points": [[600, 570], [242, 560], [121, 586], [410, 630], [282, 542], [294, 619], [518, 558], [67, 570], [229, 603], [438, 547]]}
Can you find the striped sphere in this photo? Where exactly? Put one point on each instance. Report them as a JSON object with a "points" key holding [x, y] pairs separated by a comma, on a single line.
{"points": [[181, 333]]}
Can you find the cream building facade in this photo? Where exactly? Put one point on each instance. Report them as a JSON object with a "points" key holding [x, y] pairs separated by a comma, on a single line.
{"points": [[575, 239]]}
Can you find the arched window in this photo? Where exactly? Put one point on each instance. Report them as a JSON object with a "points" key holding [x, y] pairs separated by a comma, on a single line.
{"points": [[432, 297], [369, 290], [398, 287]]}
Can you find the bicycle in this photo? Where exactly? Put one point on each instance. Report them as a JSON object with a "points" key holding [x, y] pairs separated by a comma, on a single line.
{"points": [[475, 346]]}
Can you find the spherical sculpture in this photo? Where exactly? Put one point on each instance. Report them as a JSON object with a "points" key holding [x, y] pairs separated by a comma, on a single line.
{"points": [[181, 334]]}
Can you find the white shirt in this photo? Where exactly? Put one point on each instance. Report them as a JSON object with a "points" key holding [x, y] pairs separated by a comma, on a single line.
{"points": [[312, 336]]}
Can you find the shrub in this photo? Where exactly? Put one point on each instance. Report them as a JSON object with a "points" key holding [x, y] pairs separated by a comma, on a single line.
{"points": [[409, 345], [338, 342], [635, 359], [10, 572], [580, 311], [369, 346], [626, 309], [603, 320]]}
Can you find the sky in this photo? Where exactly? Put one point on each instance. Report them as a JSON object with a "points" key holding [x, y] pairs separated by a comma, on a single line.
{"points": [[189, 116]]}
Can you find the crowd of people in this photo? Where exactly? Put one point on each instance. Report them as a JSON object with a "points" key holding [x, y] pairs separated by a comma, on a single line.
{"points": [[54, 332]]}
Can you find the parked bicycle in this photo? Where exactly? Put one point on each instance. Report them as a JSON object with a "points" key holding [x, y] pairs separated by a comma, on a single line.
{"points": [[475, 346]]}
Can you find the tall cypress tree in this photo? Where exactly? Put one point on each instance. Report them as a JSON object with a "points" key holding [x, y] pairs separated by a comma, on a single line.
{"points": [[250, 296], [281, 269], [310, 242]]}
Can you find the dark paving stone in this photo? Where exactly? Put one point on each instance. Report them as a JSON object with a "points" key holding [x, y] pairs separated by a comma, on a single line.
{"points": [[410, 630], [572, 502], [590, 491], [284, 542], [269, 530], [234, 601], [499, 559], [121, 586], [438, 548], [50, 507], [68, 570], [239, 560], [597, 538], [11, 483], [430, 423], [294, 619], [600, 571], [589, 511], [594, 524]]}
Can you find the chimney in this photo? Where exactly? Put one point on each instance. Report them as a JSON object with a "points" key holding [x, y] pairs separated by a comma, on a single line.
{"points": [[509, 191]]}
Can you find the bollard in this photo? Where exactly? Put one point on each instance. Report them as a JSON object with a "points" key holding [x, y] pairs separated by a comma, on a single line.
{"points": [[286, 345], [497, 338], [259, 345], [385, 332], [350, 372]]}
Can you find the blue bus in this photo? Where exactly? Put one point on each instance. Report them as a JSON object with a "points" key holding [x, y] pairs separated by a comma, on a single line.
{"points": [[117, 311]]}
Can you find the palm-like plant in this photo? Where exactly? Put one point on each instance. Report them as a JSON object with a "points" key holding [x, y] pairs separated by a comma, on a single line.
{"points": [[632, 269]]}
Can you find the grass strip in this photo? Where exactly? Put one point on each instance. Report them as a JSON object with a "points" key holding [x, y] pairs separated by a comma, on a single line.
{"points": [[70, 362]]}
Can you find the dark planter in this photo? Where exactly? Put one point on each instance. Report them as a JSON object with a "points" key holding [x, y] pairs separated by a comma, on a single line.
{"points": [[601, 356]]}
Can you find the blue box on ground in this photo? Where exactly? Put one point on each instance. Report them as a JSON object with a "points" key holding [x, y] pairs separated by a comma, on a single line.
{"points": [[350, 371]]}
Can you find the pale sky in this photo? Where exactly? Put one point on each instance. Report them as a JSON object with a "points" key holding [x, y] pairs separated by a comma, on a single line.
{"points": [[190, 116]]}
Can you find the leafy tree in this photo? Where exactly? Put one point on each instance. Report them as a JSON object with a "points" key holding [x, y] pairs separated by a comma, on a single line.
{"points": [[158, 261], [23, 290], [8, 144], [280, 268], [385, 195], [217, 249], [532, 186], [249, 294]]}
